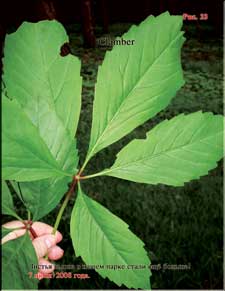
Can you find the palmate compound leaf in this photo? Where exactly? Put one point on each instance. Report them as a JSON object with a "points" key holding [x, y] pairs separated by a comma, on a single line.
{"points": [[175, 151], [136, 81], [7, 201], [18, 255], [101, 238]]}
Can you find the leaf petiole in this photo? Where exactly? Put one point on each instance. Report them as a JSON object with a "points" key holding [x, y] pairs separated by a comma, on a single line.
{"points": [[18, 217], [28, 215], [65, 202], [102, 173]]}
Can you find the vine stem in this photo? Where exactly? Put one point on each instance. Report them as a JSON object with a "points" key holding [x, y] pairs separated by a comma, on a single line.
{"points": [[65, 202], [28, 226], [33, 232]]}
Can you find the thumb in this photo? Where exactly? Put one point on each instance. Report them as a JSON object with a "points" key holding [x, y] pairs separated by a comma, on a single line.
{"points": [[43, 243]]}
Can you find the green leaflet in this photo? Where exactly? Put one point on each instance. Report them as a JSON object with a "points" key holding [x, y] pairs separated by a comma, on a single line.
{"points": [[17, 258], [43, 196], [101, 238], [36, 75], [175, 151], [7, 201], [135, 82], [25, 155], [48, 88]]}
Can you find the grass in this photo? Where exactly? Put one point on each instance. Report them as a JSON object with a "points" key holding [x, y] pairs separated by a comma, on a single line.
{"points": [[182, 225]]}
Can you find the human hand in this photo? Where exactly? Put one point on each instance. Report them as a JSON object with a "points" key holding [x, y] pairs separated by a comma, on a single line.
{"points": [[44, 244]]}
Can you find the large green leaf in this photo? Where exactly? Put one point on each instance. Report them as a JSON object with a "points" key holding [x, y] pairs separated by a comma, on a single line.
{"points": [[48, 87], [101, 238], [40, 78], [17, 258], [25, 155], [137, 81], [7, 201], [175, 151]]}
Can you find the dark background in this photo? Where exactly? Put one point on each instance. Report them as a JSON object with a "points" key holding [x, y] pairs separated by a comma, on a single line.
{"points": [[69, 11], [182, 225], [104, 12]]}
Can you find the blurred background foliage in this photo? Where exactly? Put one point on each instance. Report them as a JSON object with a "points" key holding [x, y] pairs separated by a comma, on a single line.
{"points": [[182, 225]]}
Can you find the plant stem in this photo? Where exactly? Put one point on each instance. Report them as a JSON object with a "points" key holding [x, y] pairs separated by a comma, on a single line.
{"points": [[85, 163], [33, 232], [28, 226], [28, 214], [18, 217], [65, 202], [94, 175]]}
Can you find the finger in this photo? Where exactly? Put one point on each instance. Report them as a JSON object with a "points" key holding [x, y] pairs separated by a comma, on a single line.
{"points": [[13, 224], [42, 228], [55, 253], [45, 266], [15, 233], [43, 243]]}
